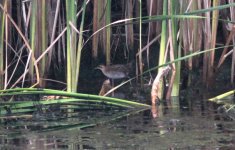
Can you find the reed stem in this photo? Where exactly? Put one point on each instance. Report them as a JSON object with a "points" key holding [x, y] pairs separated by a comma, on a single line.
{"points": [[2, 22], [163, 45]]}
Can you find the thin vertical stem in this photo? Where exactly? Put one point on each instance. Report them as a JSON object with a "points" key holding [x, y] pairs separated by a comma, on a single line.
{"points": [[215, 15], [207, 37], [232, 15], [2, 22], [177, 54], [70, 51], [95, 28], [6, 54], [108, 32], [79, 46], [44, 37], [32, 37], [129, 27], [162, 45], [140, 42]]}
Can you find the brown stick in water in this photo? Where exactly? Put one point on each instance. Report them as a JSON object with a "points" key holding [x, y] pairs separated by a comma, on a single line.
{"points": [[156, 83]]}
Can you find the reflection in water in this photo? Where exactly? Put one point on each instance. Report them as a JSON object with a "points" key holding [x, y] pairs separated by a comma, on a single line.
{"points": [[179, 124], [169, 105], [154, 110]]}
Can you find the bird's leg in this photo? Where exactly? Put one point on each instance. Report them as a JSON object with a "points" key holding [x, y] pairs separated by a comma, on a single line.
{"points": [[112, 88], [129, 81]]}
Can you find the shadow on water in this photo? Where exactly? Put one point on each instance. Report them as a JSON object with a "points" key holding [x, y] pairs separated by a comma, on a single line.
{"points": [[185, 123]]}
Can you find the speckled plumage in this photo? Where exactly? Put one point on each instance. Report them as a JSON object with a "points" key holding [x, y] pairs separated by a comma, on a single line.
{"points": [[115, 71]]}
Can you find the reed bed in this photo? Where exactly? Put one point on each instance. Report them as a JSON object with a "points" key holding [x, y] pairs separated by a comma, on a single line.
{"points": [[58, 36]]}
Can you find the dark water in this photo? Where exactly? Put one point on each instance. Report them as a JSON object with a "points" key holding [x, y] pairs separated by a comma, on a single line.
{"points": [[188, 123]]}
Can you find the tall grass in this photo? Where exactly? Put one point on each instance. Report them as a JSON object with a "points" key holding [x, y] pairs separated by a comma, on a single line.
{"points": [[43, 41], [95, 28], [2, 22], [79, 46], [74, 48], [162, 50], [129, 31], [232, 29], [108, 32], [215, 16], [140, 60], [71, 10], [188, 26], [33, 36], [176, 51]]}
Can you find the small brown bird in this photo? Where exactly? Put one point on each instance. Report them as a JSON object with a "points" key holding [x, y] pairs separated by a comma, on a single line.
{"points": [[115, 71]]}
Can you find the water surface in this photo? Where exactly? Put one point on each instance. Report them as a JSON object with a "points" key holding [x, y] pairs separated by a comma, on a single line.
{"points": [[187, 123]]}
